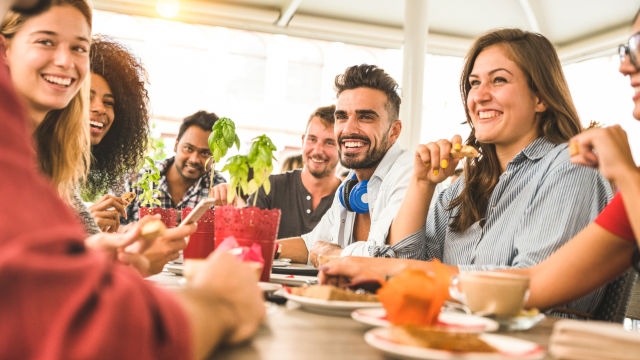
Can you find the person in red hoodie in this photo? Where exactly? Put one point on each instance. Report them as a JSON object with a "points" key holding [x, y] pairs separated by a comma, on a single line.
{"points": [[64, 301]]}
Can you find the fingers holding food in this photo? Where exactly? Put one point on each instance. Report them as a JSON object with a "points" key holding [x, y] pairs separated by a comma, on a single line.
{"points": [[152, 229], [128, 197], [464, 151]]}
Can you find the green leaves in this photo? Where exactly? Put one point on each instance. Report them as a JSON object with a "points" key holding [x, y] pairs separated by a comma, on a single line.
{"points": [[147, 182], [222, 137], [260, 159]]}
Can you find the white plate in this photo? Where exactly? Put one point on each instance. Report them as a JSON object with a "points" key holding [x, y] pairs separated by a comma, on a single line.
{"points": [[268, 287], [329, 307], [508, 347], [293, 280], [446, 321], [174, 268], [280, 263]]}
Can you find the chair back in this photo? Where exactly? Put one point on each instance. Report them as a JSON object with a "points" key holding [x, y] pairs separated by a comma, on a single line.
{"points": [[613, 306]]}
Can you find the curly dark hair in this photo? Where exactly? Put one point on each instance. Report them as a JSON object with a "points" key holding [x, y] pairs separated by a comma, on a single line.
{"points": [[122, 149]]}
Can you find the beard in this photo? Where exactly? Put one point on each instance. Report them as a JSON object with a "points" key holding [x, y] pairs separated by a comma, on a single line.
{"points": [[184, 174], [371, 159], [318, 174]]}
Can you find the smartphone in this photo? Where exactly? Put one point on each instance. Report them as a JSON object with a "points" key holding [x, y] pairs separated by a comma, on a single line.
{"points": [[198, 211]]}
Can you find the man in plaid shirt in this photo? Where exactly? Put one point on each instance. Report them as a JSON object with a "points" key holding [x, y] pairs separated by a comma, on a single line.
{"points": [[184, 180]]}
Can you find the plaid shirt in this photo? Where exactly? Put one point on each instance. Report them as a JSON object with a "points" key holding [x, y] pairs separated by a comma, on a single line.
{"points": [[198, 191]]}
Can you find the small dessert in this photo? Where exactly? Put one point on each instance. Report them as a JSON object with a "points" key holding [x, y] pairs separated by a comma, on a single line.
{"points": [[414, 297]]}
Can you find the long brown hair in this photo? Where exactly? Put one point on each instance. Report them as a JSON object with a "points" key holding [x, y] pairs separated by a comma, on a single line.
{"points": [[62, 138], [538, 60]]}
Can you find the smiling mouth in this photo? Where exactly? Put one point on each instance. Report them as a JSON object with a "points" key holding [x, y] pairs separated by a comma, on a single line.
{"points": [[482, 115], [353, 144], [96, 125], [57, 80]]}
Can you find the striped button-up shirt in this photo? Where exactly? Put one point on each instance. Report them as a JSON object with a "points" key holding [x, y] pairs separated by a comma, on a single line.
{"points": [[198, 191], [540, 201]]}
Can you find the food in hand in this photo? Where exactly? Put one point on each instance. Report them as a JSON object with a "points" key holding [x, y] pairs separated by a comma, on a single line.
{"points": [[328, 292], [440, 339], [152, 229], [466, 151], [128, 197], [574, 148], [414, 297]]}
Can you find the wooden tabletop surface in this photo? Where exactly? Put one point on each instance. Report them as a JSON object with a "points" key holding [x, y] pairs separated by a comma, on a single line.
{"points": [[290, 333]]}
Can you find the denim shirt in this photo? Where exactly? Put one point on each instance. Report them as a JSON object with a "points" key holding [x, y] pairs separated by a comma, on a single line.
{"points": [[385, 191], [540, 202]]}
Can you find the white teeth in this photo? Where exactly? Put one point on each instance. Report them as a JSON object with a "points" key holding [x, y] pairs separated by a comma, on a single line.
{"points": [[487, 114], [353, 144], [317, 160], [636, 89], [97, 124], [58, 80]]}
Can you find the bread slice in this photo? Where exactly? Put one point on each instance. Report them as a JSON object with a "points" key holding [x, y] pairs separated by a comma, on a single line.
{"points": [[328, 292], [440, 339]]}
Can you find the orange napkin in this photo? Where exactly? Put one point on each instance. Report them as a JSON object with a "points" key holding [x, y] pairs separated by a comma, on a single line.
{"points": [[414, 297], [586, 340]]}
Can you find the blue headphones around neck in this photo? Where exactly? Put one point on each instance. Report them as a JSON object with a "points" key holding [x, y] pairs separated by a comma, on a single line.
{"points": [[353, 195]]}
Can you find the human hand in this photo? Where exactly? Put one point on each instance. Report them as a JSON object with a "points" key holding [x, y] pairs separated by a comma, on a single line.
{"points": [[433, 161], [234, 284], [124, 247], [107, 211], [347, 270], [606, 149], [163, 249], [219, 194], [323, 248]]}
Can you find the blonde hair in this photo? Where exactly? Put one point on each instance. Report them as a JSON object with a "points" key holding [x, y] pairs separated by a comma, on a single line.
{"points": [[62, 138]]}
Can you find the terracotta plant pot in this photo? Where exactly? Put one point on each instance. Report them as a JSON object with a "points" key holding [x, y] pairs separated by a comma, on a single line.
{"points": [[168, 216], [201, 241], [249, 226]]}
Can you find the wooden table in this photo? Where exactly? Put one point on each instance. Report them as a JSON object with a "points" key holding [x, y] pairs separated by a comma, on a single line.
{"points": [[290, 333]]}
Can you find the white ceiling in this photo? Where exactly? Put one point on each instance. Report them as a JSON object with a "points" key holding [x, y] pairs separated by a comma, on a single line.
{"points": [[578, 28]]}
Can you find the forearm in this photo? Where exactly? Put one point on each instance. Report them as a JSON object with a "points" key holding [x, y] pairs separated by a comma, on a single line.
{"points": [[629, 186], [295, 249], [591, 259], [413, 211]]}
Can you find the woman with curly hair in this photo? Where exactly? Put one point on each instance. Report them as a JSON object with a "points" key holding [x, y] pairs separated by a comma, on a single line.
{"points": [[119, 125]]}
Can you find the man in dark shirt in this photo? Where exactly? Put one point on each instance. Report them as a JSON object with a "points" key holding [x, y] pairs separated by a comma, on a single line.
{"points": [[304, 195]]}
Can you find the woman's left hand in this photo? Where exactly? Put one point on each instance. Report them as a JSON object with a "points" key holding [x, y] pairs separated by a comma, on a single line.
{"points": [[606, 149]]}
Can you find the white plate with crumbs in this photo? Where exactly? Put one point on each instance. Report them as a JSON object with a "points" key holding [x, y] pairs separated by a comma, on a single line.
{"points": [[508, 348]]}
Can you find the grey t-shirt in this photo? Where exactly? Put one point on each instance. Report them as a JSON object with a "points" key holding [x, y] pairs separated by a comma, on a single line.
{"points": [[292, 198]]}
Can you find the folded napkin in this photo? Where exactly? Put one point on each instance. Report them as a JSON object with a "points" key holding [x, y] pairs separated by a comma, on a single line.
{"points": [[586, 340], [244, 253]]}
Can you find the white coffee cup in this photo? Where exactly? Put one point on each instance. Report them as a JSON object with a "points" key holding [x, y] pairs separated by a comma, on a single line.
{"points": [[491, 293]]}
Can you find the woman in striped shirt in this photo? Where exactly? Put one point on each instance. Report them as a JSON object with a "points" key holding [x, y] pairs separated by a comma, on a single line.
{"points": [[521, 199]]}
